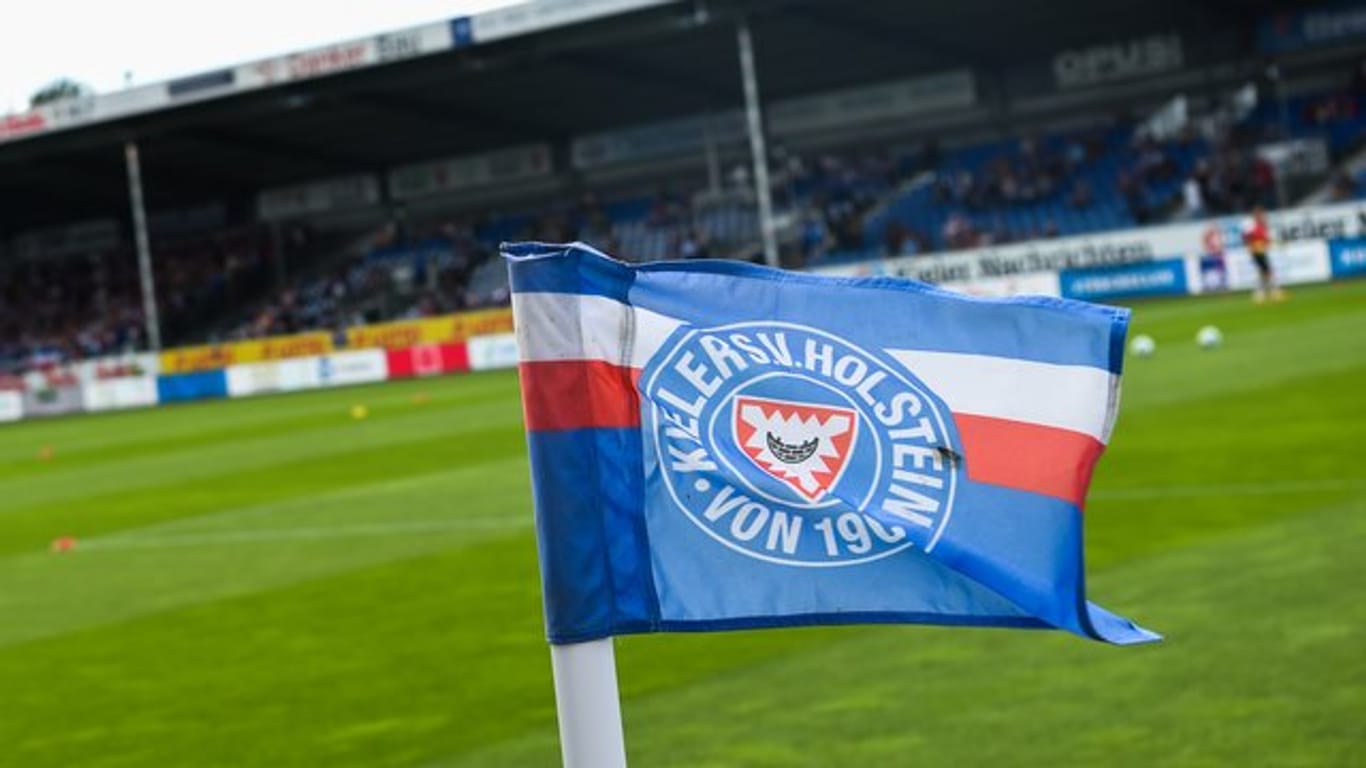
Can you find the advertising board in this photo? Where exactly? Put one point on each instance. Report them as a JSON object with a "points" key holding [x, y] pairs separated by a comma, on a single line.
{"points": [[361, 366], [1031, 284], [273, 376], [489, 353], [1295, 262], [11, 406], [1109, 249], [128, 381], [52, 398], [446, 329], [196, 385], [1164, 277], [1348, 257], [1329, 24], [1122, 60], [213, 356], [427, 360], [202, 84]]}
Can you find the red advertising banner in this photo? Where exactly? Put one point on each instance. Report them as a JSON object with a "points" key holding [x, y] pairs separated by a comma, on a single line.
{"points": [[428, 360]]}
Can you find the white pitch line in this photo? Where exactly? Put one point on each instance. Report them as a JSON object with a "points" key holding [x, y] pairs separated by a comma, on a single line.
{"points": [[317, 533], [1231, 489]]}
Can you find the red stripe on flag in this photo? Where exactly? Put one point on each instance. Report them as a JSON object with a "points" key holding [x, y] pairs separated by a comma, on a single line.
{"points": [[579, 394], [588, 394], [1028, 457]]}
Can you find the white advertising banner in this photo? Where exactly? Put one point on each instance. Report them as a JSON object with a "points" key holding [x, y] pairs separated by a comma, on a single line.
{"points": [[1033, 284], [113, 394], [130, 101], [362, 366], [317, 62], [1299, 262], [273, 376], [52, 392], [1109, 249], [414, 41], [488, 353], [344, 56], [11, 406], [128, 381], [21, 125]]}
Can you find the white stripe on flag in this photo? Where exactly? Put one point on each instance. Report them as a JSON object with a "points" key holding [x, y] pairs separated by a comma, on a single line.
{"points": [[1074, 397], [561, 326], [564, 326]]}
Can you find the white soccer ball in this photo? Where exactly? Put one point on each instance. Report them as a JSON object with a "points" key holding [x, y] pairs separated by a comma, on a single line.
{"points": [[1143, 346], [1209, 337]]}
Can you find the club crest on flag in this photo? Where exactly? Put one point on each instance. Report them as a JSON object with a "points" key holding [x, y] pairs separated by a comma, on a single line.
{"points": [[795, 446], [806, 446]]}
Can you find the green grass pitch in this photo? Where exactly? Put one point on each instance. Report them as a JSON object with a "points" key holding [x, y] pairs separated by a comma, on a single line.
{"points": [[272, 582]]}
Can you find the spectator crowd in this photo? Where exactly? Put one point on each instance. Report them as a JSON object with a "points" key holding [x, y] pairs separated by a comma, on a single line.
{"points": [[239, 282]]}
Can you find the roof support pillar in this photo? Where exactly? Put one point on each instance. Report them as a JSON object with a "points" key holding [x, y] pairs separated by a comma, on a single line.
{"points": [[754, 119], [144, 248]]}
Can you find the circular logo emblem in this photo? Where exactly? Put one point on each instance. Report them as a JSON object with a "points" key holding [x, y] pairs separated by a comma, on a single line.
{"points": [[794, 446]]}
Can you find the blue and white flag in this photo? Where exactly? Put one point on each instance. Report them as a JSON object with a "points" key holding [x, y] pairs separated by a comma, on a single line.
{"points": [[716, 445]]}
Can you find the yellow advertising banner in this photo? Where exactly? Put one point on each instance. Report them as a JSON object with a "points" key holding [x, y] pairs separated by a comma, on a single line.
{"points": [[447, 329], [209, 357]]}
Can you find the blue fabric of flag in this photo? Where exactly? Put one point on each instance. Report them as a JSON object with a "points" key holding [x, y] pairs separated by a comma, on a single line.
{"points": [[776, 467]]}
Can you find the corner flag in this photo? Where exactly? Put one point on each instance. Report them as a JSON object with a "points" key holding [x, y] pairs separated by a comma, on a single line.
{"points": [[717, 446]]}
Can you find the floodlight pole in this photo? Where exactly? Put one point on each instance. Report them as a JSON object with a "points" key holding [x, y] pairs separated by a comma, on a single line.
{"points": [[148, 282], [754, 118], [588, 705]]}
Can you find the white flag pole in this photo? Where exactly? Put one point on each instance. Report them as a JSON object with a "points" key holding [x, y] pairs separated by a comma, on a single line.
{"points": [[588, 704]]}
